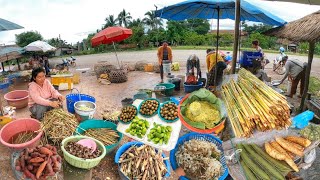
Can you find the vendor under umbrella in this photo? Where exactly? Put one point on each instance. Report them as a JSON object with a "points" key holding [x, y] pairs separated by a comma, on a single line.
{"points": [[42, 95], [192, 63]]}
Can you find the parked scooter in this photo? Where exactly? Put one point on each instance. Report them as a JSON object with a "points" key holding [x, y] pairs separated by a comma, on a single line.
{"points": [[66, 63], [72, 61]]}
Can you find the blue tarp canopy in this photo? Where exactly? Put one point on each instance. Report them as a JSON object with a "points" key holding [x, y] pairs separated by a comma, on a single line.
{"points": [[6, 25], [208, 9]]}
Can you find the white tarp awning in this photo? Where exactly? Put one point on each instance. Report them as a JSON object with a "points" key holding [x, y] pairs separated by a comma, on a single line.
{"points": [[39, 46]]}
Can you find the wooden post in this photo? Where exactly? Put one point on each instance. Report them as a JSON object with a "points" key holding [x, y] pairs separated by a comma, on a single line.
{"points": [[307, 76], [236, 38], [2, 67], [18, 64]]}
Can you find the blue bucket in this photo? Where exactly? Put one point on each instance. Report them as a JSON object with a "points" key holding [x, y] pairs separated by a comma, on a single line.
{"points": [[73, 98]]}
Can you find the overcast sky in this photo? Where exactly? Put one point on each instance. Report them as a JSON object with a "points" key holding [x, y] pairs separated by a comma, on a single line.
{"points": [[74, 19]]}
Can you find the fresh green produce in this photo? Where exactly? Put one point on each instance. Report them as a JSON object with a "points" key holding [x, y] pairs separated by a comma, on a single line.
{"points": [[128, 113], [149, 107], [311, 132], [138, 127], [169, 111], [268, 168], [160, 134], [84, 108], [253, 166]]}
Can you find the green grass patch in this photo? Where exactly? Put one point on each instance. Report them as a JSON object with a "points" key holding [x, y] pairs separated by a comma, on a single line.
{"points": [[314, 85]]}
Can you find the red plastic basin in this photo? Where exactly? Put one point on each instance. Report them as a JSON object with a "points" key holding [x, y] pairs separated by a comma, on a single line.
{"points": [[18, 126], [17, 98]]}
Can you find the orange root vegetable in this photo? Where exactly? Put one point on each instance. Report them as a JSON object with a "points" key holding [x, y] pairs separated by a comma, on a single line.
{"points": [[299, 140], [289, 146], [35, 154], [273, 152], [46, 151], [277, 146], [28, 174], [49, 170], [41, 168], [36, 160]]}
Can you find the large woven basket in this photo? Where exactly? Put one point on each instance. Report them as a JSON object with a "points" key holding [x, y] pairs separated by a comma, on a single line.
{"points": [[204, 137], [80, 162]]}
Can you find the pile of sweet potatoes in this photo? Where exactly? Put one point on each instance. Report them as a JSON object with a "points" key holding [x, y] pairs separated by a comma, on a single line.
{"points": [[38, 163]]}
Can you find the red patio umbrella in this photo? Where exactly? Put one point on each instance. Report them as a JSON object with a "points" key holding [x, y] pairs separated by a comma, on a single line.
{"points": [[111, 35]]}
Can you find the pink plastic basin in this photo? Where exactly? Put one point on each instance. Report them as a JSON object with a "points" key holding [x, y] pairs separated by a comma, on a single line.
{"points": [[17, 98], [18, 126]]}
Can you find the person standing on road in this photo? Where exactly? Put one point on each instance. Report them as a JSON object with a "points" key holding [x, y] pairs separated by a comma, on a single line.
{"points": [[296, 71], [164, 57]]}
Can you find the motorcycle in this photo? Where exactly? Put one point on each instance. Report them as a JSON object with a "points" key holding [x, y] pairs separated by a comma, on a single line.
{"points": [[72, 61], [278, 65], [66, 63]]}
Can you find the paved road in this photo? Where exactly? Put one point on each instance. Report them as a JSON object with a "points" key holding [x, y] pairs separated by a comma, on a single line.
{"points": [[178, 56]]}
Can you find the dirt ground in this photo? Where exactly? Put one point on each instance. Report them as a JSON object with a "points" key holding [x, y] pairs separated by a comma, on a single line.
{"points": [[109, 97]]}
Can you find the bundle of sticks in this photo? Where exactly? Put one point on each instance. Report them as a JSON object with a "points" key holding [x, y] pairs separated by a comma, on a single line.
{"points": [[251, 104]]}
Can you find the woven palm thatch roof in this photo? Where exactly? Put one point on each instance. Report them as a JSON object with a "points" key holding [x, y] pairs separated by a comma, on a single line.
{"points": [[304, 29]]}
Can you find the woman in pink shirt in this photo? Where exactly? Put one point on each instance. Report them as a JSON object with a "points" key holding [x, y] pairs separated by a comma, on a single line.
{"points": [[42, 95]]}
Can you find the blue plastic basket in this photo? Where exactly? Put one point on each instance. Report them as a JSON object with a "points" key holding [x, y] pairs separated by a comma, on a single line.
{"points": [[163, 119], [97, 124], [123, 149], [73, 98], [205, 137], [4, 87], [131, 119], [156, 112], [247, 58], [191, 88]]}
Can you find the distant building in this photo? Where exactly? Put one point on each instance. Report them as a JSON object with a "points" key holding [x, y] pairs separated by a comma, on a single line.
{"points": [[67, 50], [289, 45]]}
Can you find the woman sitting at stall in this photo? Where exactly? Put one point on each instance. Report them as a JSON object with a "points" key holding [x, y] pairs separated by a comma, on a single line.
{"points": [[42, 95]]}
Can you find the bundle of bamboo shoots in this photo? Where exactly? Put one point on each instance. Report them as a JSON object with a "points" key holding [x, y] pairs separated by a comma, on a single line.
{"points": [[252, 104]]}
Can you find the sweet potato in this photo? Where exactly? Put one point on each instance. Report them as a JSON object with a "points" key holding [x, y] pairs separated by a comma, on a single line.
{"points": [[49, 170], [28, 174], [288, 146], [41, 168], [299, 140], [35, 154], [46, 151], [30, 167], [22, 162], [18, 168], [36, 164], [36, 160]]}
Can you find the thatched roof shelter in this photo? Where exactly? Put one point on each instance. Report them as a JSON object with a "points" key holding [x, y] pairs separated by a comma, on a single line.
{"points": [[305, 29]]}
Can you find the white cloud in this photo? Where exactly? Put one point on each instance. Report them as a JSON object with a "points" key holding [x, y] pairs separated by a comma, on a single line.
{"points": [[74, 19]]}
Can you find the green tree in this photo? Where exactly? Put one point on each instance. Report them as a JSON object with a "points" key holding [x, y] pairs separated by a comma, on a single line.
{"points": [[28, 37], [124, 18], [255, 28], [137, 37], [136, 23], [152, 21], [200, 26], [176, 31], [111, 21]]}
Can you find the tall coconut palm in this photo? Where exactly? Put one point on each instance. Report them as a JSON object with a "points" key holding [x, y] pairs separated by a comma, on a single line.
{"points": [[151, 20], [111, 21], [124, 18], [136, 23]]}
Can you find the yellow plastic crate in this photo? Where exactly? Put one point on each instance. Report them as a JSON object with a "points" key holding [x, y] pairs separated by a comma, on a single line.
{"points": [[64, 82], [148, 68]]}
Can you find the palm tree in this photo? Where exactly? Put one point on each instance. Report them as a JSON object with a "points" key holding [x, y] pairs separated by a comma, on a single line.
{"points": [[151, 20], [111, 21], [124, 18], [135, 23]]}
